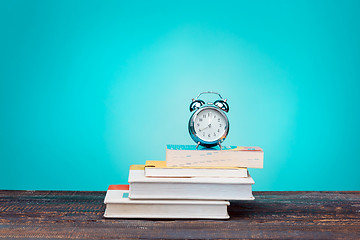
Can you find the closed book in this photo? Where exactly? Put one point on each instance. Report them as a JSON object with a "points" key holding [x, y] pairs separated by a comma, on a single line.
{"points": [[204, 188], [118, 205], [159, 169], [231, 156]]}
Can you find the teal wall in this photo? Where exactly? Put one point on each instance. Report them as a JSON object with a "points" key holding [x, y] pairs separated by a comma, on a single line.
{"points": [[89, 87]]}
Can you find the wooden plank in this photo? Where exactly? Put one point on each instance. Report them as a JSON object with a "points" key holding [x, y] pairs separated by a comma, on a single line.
{"points": [[74, 214]]}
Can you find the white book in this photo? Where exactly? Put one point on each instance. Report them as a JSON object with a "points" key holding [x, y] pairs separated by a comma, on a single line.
{"points": [[204, 188], [118, 205], [159, 169], [228, 156]]}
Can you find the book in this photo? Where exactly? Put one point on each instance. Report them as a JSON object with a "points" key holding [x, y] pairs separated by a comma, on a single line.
{"points": [[159, 169], [231, 156], [205, 188], [118, 205]]}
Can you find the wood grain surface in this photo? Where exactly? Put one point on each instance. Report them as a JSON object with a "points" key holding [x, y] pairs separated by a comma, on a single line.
{"points": [[284, 215]]}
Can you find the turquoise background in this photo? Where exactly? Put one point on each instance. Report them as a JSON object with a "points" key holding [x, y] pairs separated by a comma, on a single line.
{"points": [[89, 87]]}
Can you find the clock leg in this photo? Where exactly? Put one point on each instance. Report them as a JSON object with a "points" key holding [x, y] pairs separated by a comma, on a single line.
{"points": [[197, 145], [220, 146]]}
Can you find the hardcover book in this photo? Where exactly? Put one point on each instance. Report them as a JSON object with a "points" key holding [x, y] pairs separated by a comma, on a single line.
{"points": [[205, 188], [118, 205], [231, 156]]}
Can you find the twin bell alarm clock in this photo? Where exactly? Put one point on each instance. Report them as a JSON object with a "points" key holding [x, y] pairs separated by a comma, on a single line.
{"points": [[209, 125]]}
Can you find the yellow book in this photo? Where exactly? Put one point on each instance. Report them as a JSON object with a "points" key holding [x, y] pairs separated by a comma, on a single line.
{"points": [[159, 169]]}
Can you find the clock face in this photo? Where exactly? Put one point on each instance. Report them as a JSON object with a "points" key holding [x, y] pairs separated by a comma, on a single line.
{"points": [[210, 124]]}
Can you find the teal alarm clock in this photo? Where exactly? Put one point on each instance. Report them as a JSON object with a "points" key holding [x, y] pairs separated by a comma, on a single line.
{"points": [[209, 124]]}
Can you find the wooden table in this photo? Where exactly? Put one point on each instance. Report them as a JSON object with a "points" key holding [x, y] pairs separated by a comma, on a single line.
{"points": [[291, 215]]}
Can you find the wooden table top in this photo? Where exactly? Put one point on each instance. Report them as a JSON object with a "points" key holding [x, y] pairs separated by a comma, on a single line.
{"points": [[75, 214]]}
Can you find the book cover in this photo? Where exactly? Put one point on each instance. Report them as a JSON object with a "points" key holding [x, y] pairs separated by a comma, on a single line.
{"points": [[216, 148]]}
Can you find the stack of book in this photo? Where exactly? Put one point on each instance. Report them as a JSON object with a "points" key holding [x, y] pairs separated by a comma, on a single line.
{"points": [[191, 183]]}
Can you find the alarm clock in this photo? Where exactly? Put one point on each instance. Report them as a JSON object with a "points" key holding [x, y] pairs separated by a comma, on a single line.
{"points": [[209, 125]]}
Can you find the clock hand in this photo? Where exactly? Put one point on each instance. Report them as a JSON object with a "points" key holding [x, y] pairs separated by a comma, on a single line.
{"points": [[210, 121], [209, 125], [205, 128]]}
